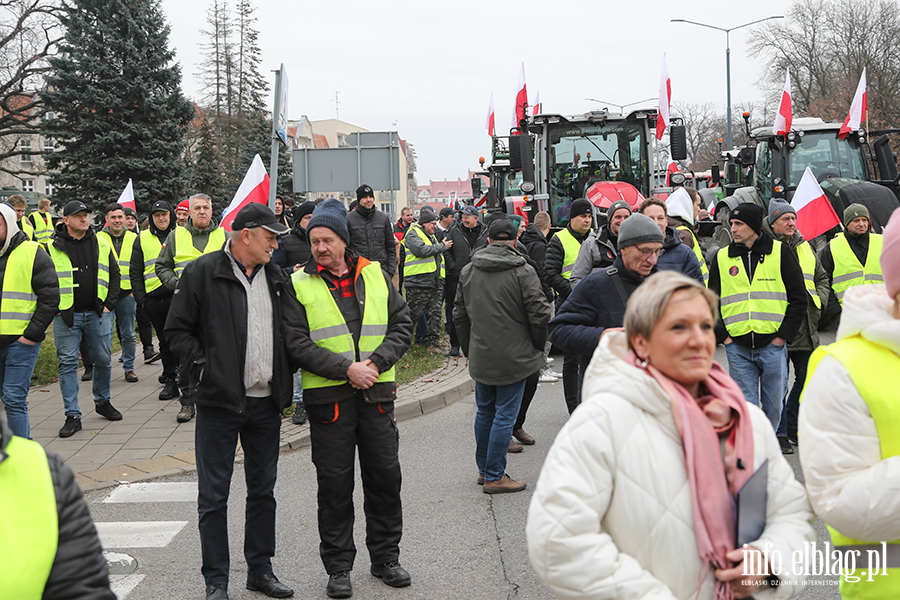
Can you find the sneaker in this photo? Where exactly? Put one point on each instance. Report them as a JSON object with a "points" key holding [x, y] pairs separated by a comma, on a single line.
{"points": [[391, 573], [88, 374], [454, 350], [480, 479], [72, 425], [186, 413], [170, 391], [339, 585], [150, 355], [504, 485], [514, 448], [792, 436], [131, 377], [106, 409], [299, 416], [548, 377], [553, 373], [785, 444], [550, 359], [522, 437]]}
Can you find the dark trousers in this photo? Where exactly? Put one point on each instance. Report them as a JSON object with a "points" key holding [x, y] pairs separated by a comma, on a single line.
{"points": [[336, 431], [145, 328], [788, 424], [450, 286], [531, 385], [217, 432], [571, 382], [157, 309]]}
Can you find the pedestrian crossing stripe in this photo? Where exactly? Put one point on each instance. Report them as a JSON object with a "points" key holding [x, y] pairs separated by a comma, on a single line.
{"points": [[154, 492], [138, 534]]}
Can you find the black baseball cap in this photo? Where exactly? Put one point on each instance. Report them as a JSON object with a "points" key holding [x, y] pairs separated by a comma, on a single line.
{"points": [[446, 212], [160, 206], [502, 229], [257, 215], [73, 207]]}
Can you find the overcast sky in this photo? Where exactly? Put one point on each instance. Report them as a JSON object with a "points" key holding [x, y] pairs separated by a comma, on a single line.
{"points": [[428, 71]]}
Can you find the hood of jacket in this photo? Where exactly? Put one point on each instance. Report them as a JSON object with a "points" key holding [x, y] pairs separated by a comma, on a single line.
{"points": [[12, 227], [497, 257], [679, 204], [62, 234], [163, 233], [673, 238], [867, 312], [532, 234]]}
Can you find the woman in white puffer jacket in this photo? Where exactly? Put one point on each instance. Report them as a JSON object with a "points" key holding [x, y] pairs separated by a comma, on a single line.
{"points": [[662, 442]]}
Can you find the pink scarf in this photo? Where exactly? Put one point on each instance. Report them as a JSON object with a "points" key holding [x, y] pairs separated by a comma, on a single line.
{"points": [[721, 413]]}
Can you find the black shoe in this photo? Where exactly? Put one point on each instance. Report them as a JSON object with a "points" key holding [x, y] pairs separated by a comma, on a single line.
{"points": [[150, 355], [299, 416], [88, 374], [269, 585], [785, 444], [107, 410], [339, 585], [72, 425], [217, 591], [392, 574], [454, 350], [170, 391], [162, 378], [792, 436]]}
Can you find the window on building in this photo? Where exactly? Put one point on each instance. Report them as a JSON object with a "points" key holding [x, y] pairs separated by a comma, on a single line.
{"points": [[25, 146], [49, 145], [49, 188], [386, 208], [28, 185]]}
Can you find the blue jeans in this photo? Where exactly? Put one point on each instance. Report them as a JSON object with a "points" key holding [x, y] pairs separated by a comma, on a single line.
{"points": [[498, 408], [788, 424], [125, 314], [98, 333], [16, 366], [298, 386], [760, 374]]}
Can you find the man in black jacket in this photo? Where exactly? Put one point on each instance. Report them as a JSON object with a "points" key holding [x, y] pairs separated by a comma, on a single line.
{"points": [[225, 323], [25, 268], [464, 236], [351, 327], [371, 232]]}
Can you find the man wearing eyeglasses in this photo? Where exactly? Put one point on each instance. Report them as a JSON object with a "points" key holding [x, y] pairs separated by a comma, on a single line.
{"points": [[598, 302]]}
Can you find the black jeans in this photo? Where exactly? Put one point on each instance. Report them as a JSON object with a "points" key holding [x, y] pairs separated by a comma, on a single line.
{"points": [[531, 385], [144, 327], [157, 309], [450, 285], [571, 381], [336, 431], [788, 424], [217, 432]]}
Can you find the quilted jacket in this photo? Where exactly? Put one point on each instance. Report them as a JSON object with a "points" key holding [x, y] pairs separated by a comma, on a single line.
{"points": [[850, 487], [611, 517]]}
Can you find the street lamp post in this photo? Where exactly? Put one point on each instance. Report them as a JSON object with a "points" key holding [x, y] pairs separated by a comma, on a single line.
{"points": [[727, 58]]}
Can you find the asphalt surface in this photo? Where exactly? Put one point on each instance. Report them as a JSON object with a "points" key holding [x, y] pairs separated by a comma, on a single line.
{"points": [[458, 542]]}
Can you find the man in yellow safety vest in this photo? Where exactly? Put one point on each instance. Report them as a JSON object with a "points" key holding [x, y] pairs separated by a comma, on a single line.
{"points": [[423, 274], [17, 201], [42, 222]]}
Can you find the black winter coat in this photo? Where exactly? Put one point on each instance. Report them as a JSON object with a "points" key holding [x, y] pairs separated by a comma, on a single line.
{"points": [[535, 245], [207, 329], [296, 248], [79, 569], [553, 264], [372, 237], [675, 256], [136, 272], [461, 253], [45, 284]]}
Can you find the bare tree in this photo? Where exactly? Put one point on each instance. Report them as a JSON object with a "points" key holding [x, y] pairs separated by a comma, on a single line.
{"points": [[703, 126]]}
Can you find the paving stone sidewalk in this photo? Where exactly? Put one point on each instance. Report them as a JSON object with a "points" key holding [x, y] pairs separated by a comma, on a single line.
{"points": [[148, 442]]}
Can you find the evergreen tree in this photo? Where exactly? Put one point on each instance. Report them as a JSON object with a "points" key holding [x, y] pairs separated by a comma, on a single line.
{"points": [[207, 171], [117, 96]]}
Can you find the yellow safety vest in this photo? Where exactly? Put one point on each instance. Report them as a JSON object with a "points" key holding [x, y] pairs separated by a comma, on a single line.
{"points": [[184, 246], [19, 300], [150, 248], [29, 534], [123, 258], [703, 268], [328, 329], [43, 229], [414, 265], [862, 358], [571, 246], [847, 270], [64, 270], [25, 226], [756, 306], [807, 259]]}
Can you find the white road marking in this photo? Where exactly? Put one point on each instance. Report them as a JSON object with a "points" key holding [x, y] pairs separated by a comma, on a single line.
{"points": [[154, 492], [138, 534], [122, 585]]}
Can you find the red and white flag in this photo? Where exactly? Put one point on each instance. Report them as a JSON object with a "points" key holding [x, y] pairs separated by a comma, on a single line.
{"points": [[254, 188], [536, 107], [665, 99], [858, 109], [126, 198], [489, 122], [521, 98], [815, 215], [783, 118]]}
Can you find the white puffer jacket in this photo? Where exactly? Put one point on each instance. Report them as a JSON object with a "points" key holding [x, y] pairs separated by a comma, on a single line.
{"points": [[850, 487], [611, 517]]}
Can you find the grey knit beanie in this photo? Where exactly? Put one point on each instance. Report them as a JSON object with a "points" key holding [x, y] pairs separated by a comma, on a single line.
{"points": [[616, 206], [331, 214], [639, 229], [778, 208]]}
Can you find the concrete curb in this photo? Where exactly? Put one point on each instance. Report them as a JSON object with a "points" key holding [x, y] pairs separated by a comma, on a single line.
{"points": [[411, 403]]}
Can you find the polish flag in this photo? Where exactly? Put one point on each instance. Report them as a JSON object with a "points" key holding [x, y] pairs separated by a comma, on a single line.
{"points": [[126, 198], [815, 215], [858, 109], [489, 122], [521, 98], [783, 118], [665, 99], [254, 188], [536, 107]]}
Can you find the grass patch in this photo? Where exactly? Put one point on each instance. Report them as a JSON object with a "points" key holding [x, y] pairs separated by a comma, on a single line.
{"points": [[417, 361]]}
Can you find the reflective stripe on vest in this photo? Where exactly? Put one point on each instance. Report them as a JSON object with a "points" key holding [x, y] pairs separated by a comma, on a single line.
{"points": [[703, 268], [807, 259], [43, 229], [123, 258], [861, 358], [19, 300], [756, 306], [415, 265], [184, 247], [571, 246], [30, 531], [328, 329], [64, 271], [150, 248], [848, 271]]}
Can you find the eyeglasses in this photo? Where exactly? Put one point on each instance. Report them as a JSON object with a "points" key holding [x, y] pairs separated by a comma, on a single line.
{"points": [[649, 251]]}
